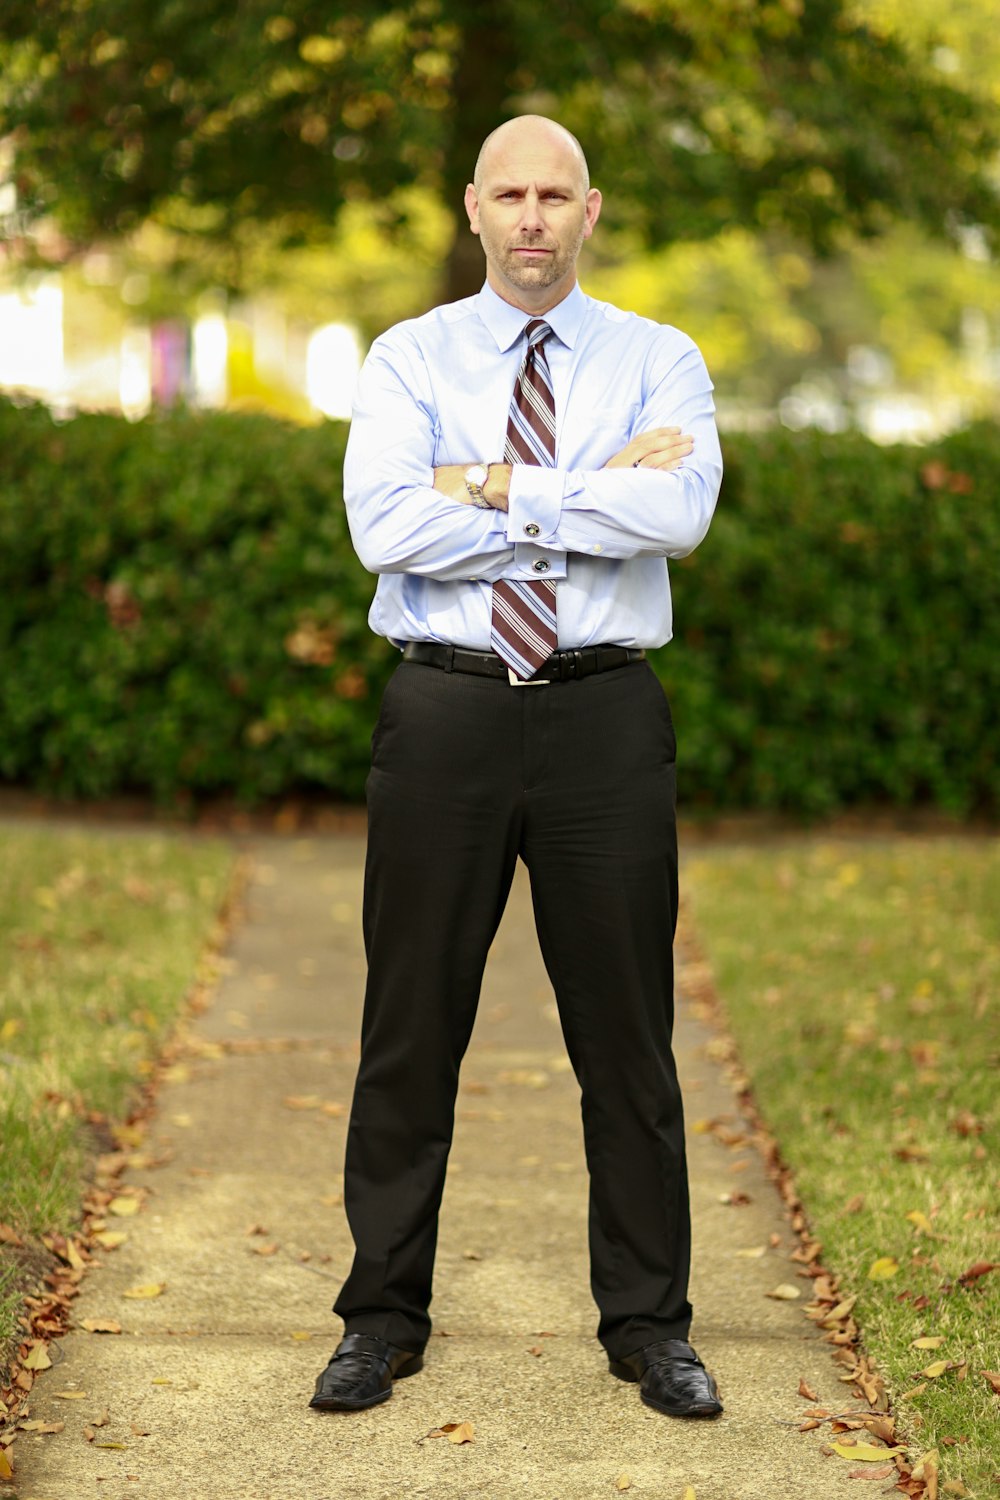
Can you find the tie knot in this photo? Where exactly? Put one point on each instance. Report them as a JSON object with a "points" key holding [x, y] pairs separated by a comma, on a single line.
{"points": [[537, 330]]}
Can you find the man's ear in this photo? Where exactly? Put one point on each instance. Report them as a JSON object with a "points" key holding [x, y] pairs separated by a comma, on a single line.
{"points": [[472, 208], [593, 212]]}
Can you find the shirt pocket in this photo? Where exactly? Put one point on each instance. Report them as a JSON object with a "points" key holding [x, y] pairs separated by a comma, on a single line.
{"points": [[606, 430]]}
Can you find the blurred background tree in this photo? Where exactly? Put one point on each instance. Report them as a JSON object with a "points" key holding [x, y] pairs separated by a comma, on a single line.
{"points": [[757, 160]]}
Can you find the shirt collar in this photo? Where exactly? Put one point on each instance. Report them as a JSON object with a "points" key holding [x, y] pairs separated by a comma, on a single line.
{"points": [[507, 323]]}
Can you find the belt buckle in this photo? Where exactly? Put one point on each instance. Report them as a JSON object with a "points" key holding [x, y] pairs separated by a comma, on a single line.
{"points": [[516, 681]]}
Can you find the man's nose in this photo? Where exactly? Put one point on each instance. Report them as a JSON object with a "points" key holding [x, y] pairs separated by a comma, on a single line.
{"points": [[531, 212]]}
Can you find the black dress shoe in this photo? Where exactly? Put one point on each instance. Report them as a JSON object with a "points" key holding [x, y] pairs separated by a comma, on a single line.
{"points": [[361, 1373], [671, 1379]]}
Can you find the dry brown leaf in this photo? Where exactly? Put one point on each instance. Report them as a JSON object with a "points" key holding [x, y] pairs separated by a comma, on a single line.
{"points": [[40, 1426], [138, 1431], [10, 1236], [37, 1357], [810, 1425], [806, 1391], [993, 1378], [981, 1268], [854, 1205], [148, 1290], [101, 1325], [6, 1467], [536, 1350], [271, 1249], [102, 1420], [623, 1482], [916, 1390], [471, 1255], [785, 1293], [882, 1471], [955, 1487], [455, 1432]]}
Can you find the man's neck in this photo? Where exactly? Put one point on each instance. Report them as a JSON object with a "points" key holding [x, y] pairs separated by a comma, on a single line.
{"points": [[535, 302]]}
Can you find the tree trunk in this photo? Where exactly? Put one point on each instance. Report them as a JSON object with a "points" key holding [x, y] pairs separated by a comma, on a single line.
{"points": [[480, 102]]}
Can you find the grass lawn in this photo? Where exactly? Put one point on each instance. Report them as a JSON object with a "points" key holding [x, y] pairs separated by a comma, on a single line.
{"points": [[860, 980], [101, 936]]}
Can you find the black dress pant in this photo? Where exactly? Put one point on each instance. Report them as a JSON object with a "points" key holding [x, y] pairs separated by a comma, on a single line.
{"points": [[577, 779]]}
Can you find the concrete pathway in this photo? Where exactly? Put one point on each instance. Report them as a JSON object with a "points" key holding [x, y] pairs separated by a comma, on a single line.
{"points": [[206, 1389]]}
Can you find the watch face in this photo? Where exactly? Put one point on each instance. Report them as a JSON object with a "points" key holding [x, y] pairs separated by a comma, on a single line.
{"points": [[477, 474]]}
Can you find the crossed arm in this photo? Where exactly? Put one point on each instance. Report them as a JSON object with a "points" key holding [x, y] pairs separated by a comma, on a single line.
{"points": [[662, 448]]}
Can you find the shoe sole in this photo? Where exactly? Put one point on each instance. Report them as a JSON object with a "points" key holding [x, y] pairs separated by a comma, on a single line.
{"points": [[331, 1403], [625, 1372]]}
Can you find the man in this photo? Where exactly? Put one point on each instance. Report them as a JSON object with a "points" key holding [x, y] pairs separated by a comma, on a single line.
{"points": [[520, 466]]}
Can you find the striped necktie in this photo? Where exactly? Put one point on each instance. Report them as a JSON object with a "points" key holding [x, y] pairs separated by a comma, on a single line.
{"points": [[523, 625]]}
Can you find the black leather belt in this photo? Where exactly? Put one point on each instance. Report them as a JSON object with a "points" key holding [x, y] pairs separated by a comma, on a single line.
{"points": [[562, 666]]}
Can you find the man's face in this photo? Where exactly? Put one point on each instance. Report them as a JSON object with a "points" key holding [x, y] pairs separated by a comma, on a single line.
{"points": [[532, 214]]}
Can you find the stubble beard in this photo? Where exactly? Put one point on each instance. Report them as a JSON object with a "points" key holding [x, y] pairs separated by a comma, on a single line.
{"points": [[532, 274]]}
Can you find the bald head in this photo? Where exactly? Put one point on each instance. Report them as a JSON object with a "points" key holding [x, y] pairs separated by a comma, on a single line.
{"points": [[528, 131]]}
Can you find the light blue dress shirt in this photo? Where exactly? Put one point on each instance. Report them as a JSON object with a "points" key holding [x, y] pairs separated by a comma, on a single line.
{"points": [[436, 390]]}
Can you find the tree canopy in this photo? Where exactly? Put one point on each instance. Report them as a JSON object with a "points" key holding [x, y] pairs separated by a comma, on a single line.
{"points": [[209, 117]]}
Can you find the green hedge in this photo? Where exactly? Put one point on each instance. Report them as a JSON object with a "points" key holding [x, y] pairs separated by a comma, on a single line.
{"points": [[181, 613]]}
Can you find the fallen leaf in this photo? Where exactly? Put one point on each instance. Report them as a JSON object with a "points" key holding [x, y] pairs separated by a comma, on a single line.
{"points": [[302, 1101], [735, 1200], [854, 1205], [536, 1350], [922, 1223], [266, 1249], [806, 1391], [937, 1368], [455, 1432], [39, 1426], [926, 1468], [933, 1342], [916, 1390], [122, 1447], [301, 1336], [471, 1255], [981, 1268], [6, 1468], [689, 1494], [754, 1253], [149, 1289], [881, 1472], [784, 1293], [69, 1395], [865, 1453], [110, 1239], [161, 1380], [101, 1325], [123, 1208], [102, 1420], [993, 1378], [623, 1482], [37, 1357], [138, 1431], [10, 1236], [955, 1487], [883, 1268]]}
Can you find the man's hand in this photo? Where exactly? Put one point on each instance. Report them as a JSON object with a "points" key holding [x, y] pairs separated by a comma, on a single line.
{"points": [[663, 448], [450, 480]]}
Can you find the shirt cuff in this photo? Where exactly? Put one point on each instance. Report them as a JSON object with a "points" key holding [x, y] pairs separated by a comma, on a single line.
{"points": [[534, 505]]}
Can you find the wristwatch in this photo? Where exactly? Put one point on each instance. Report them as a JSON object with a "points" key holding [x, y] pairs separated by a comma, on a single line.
{"points": [[476, 478]]}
